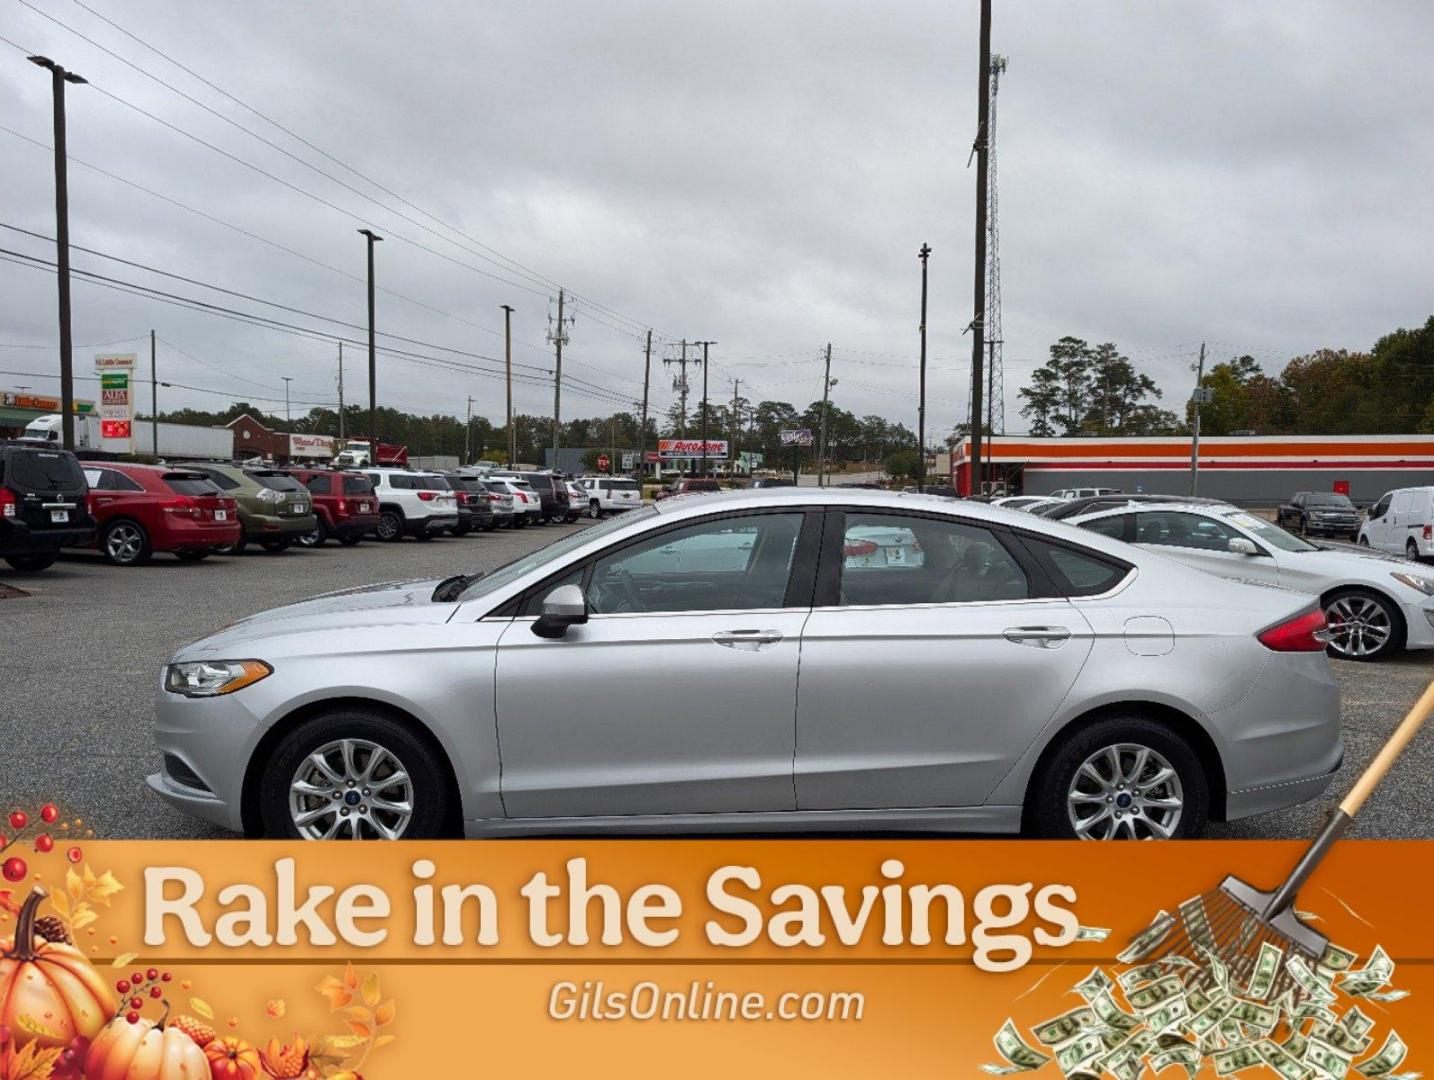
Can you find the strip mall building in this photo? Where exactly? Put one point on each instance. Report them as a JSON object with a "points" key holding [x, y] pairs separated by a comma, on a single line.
{"points": [[1259, 470]]}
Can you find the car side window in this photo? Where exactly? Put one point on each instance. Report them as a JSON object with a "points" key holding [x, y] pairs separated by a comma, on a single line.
{"points": [[1382, 507], [727, 564], [319, 484], [900, 559], [118, 481], [1112, 526], [96, 479], [228, 483], [1076, 571], [1174, 529]]}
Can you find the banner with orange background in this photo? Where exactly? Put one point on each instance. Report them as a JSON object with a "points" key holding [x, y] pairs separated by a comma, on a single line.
{"points": [[247, 960]]}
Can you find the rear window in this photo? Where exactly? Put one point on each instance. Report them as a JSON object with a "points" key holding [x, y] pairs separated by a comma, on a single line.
{"points": [[622, 485], [190, 484], [433, 483], [466, 483], [275, 481], [320, 484], [45, 470], [1077, 571], [357, 485]]}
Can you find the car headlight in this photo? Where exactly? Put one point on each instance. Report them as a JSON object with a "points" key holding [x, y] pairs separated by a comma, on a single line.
{"points": [[211, 678], [267, 495], [1415, 581]]}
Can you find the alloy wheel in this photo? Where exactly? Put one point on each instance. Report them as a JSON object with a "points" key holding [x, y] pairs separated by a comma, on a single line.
{"points": [[1358, 626], [1125, 791], [123, 543], [351, 789]]}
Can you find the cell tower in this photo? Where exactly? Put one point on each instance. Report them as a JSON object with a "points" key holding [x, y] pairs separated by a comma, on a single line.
{"points": [[995, 375]]}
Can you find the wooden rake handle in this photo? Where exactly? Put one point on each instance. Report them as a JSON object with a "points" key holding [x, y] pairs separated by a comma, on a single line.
{"points": [[1384, 760]]}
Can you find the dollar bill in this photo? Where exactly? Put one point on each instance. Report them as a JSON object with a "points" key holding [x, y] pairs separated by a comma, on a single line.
{"points": [[1197, 998], [1208, 1019], [1187, 1056], [1236, 1059], [1065, 1027], [1341, 1038], [1112, 1015], [1094, 984], [1168, 1015], [1257, 1015], [1092, 933], [1282, 1061], [1391, 1055], [1296, 1043], [1149, 939], [1308, 981], [1020, 1056], [1151, 996], [1387, 995], [1355, 1022], [1079, 1052], [1329, 1060], [1142, 973], [1267, 966], [1335, 958], [1374, 975], [1219, 973]]}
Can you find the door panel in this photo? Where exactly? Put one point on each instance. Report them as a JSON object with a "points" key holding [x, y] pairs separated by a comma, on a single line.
{"points": [[927, 706], [650, 714]]}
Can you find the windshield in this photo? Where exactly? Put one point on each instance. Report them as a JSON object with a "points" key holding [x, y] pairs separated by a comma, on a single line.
{"points": [[1337, 502], [276, 481], [1267, 533], [505, 575]]}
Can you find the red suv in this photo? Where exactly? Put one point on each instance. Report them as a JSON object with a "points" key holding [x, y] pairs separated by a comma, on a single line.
{"points": [[141, 509], [344, 503]]}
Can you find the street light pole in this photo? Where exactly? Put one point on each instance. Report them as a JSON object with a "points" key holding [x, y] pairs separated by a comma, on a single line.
{"points": [[508, 362], [58, 78], [642, 433], [923, 255], [705, 345], [288, 416], [372, 239], [978, 318]]}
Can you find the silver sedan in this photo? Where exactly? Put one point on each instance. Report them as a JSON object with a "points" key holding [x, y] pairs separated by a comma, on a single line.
{"points": [[748, 662]]}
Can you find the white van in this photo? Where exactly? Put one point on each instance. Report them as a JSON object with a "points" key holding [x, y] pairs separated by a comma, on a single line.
{"points": [[1402, 523]]}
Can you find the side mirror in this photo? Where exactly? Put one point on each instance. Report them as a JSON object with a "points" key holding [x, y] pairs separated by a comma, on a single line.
{"points": [[1240, 546], [565, 606]]}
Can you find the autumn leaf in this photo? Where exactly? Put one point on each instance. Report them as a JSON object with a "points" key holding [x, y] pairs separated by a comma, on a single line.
{"points": [[383, 1040], [363, 1031], [359, 1013], [84, 915], [337, 993], [276, 1008], [202, 1007], [351, 979], [123, 959], [74, 885], [103, 888], [61, 903], [371, 994], [32, 1062], [384, 1014], [341, 1042]]}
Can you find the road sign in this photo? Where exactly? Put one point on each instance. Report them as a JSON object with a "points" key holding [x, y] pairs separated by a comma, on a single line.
{"points": [[629, 460], [796, 437], [604, 463]]}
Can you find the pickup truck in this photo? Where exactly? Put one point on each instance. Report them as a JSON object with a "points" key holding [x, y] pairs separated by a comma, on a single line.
{"points": [[1320, 513]]}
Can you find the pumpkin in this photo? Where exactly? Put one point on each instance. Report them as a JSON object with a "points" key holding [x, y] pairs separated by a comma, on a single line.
{"points": [[231, 1058], [49, 993], [144, 1050]]}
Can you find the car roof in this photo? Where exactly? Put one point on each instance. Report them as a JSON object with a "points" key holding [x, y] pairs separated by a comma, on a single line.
{"points": [[1184, 506]]}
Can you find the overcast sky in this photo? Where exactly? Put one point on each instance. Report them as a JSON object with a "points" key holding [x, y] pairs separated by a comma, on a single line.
{"points": [[758, 174]]}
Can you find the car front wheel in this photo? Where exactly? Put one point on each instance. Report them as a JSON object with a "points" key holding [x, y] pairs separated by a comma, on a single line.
{"points": [[354, 774], [1362, 625], [390, 525], [32, 563], [1121, 778]]}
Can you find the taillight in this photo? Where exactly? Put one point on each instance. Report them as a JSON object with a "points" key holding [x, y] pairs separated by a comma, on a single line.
{"points": [[1304, 633], [183, 506], [494, 497], [1429, 532], [343, 506], [427, 496], [7, 503]]}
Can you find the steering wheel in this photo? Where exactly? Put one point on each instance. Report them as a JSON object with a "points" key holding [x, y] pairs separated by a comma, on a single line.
{"points": [[619, 592]]}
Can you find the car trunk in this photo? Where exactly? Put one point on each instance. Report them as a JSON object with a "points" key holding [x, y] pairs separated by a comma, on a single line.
{"points": [[49, 489]]}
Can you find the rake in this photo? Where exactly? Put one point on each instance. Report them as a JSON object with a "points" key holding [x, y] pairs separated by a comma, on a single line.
{"points": [[1234, 921]]}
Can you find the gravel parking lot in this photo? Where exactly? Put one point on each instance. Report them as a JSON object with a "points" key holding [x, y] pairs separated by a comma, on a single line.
{"points": [[80, 656]]}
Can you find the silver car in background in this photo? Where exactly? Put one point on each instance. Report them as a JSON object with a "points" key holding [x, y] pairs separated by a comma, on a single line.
{"points": [[797, 659]]}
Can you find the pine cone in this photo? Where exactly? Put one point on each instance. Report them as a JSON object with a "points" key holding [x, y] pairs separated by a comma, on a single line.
{"points": [[52, 929]]}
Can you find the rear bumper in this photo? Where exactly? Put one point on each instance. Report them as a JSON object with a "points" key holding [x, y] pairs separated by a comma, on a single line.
{"points": [[354, 525], [17, 538], [271, 526], [182, 534], [429, 525], [1264, 799]]}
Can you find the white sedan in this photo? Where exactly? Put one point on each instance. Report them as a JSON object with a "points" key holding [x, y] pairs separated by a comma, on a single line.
{"points": [[1375, 605]]}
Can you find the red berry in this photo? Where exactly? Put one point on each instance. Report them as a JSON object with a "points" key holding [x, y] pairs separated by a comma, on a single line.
{"points": [[49, 812], [44, 843], [132, 1017], [122, 986], [152, 974], [14, 869], [137, 978], [74, 854], [19, 819], [136, 1003], [155, 991], [165, 977]]}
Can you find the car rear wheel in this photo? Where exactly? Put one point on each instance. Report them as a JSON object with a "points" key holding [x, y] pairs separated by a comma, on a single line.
{"points": [[33, 562], [1362, 625], [125, 543], [489, 524], [350, 541], [1121, 778], [273, 547], [317, 537], [354, 775], [1363, 540], [1411, 550], [390, 525]]}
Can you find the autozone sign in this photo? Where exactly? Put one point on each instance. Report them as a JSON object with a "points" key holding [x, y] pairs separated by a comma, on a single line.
{"points": [[668, 449]]}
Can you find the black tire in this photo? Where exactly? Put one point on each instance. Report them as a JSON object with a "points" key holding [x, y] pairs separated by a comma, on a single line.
{"points": [[1046, 801], [489, 524], [390, 526], [274, 547], [433, 810], [1362, 541], [463, 528], [32, 562], [316, 538], [125, 542], [423, 534], [351, 539], [190, 555], [232, 549], [1382, 616], [1411, 551]]}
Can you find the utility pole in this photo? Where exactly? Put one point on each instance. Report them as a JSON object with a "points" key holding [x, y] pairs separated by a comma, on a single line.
{"points": [[646, 378], [612, 436], [978, 329], [58, 78], [372, 354], [680, 385], [923, 255], [704, 344], [557, 340], [1198, 399], [341, 392], [827, 384], [468, 434], [153, 400], [288, 417], [732, 450], [508, 364]]}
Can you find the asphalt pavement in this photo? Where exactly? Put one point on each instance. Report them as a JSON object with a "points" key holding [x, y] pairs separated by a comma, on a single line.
{"points": [[80, 655]]}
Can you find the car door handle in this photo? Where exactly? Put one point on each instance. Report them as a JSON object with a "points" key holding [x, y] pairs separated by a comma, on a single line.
{"points": [[747, 639], [1041, 637]]}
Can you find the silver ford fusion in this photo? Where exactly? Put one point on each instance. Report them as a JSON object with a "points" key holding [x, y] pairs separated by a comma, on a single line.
{"points": [[784, 660]]}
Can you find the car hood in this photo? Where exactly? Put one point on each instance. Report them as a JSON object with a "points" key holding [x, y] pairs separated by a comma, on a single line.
{"points": [[393, 603], [1344, 561]]}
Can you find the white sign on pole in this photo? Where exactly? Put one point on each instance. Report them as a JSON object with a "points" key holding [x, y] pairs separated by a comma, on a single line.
{"points": [[116, 372]]}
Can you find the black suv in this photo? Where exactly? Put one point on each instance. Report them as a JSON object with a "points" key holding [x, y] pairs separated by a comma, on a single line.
{"points": [[552, 491], [474, 509], [42, 504]]}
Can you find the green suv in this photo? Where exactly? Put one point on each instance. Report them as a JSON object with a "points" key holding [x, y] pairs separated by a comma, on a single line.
{"points": [[274, 508]]}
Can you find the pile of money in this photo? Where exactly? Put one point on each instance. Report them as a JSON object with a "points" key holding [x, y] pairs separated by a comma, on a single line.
{"points": [[1195, 1011]]}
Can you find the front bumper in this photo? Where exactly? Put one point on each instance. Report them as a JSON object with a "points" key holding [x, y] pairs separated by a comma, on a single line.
{"points": [[1418, 623], [1333, 528], [213, 738]]}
